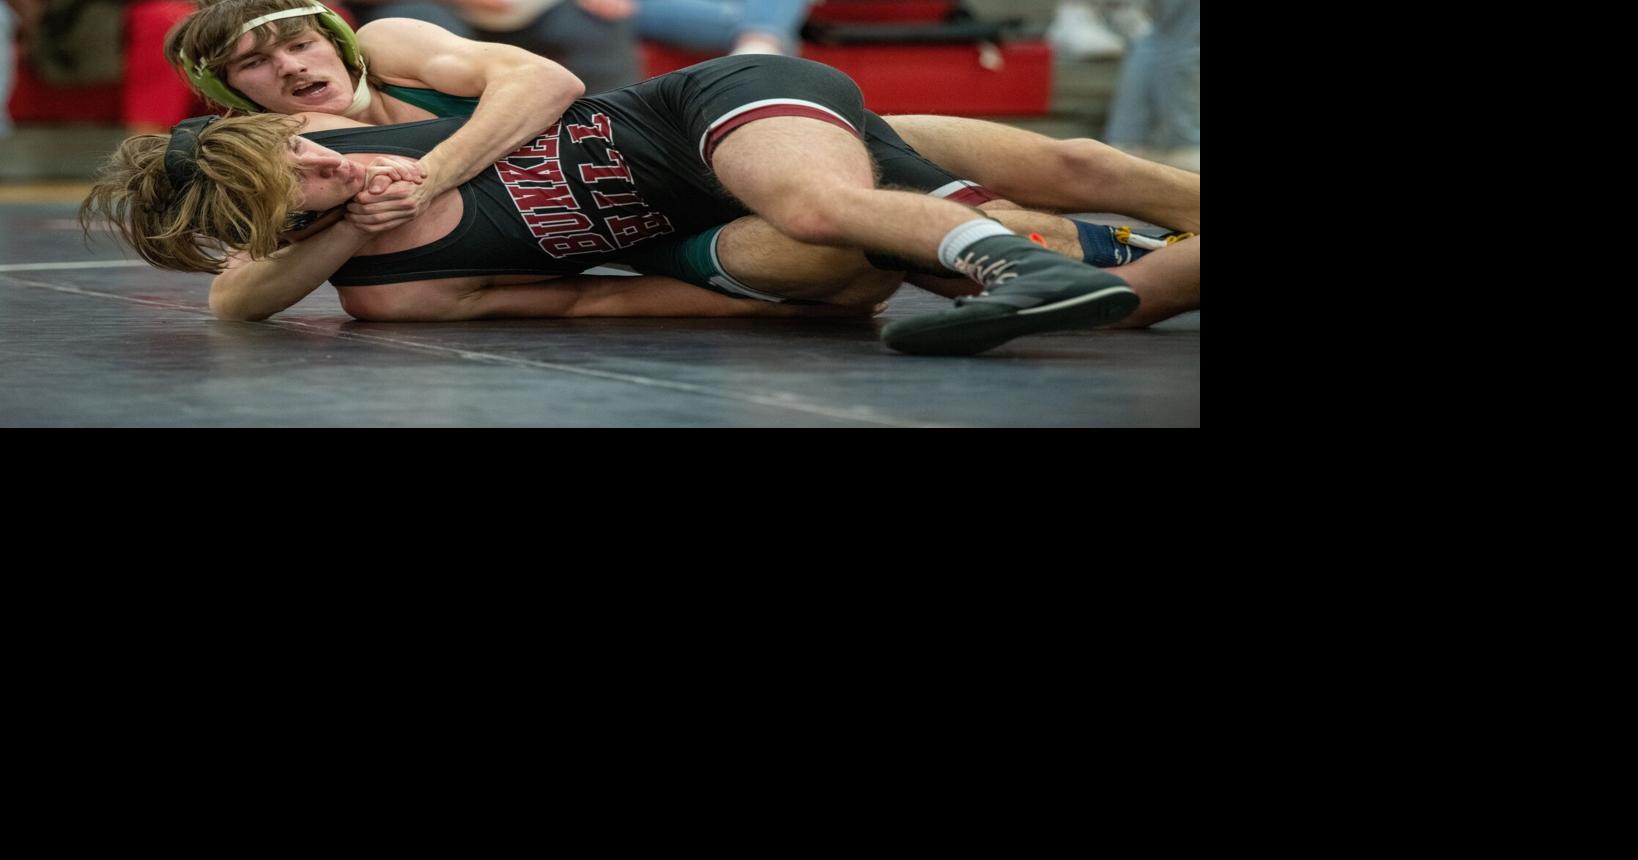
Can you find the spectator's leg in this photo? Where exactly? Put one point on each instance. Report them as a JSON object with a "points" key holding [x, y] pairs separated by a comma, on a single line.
{"points": [[7, 59]]}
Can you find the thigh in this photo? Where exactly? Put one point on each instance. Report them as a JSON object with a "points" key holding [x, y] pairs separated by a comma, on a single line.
{"points": [[989, 153], [782, 163], [714, 100], [757, 255]]}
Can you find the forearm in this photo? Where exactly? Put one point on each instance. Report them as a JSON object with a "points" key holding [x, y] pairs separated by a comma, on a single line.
{"points": [[511, 112], [257, 289]]}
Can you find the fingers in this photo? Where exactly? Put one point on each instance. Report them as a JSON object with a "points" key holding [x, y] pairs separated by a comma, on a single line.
{"points": [[379, 214], [395, 192], [379, 222], [388, 170]]}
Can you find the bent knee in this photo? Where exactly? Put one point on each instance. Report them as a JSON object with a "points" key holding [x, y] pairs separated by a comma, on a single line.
{"points": [[813, 226]]}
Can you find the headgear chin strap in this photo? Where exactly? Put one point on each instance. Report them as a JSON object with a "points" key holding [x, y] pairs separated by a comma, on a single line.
{"points": [[218, 91], [182, 155], [361, 98]]}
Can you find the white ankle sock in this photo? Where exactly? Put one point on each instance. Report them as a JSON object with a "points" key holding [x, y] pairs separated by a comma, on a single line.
{"points": [[957, 240]]}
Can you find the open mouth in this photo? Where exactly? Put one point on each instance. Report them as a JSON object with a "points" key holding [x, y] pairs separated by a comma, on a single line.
{"points": [[317, 88]]}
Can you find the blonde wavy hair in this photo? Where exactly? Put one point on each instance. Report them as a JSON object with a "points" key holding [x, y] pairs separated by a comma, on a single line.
{"points": [[241, 199]]}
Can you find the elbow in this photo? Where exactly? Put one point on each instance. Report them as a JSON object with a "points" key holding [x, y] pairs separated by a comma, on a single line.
{"points": [[566, 84], [568, 91], [225, 308]]}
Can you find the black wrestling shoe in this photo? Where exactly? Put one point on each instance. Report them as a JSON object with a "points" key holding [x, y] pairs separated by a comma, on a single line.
{"points": [[1027, 290]]}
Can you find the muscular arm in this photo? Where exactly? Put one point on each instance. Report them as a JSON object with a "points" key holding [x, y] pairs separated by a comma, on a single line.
{"points": [[519, 93], [257, 289]]}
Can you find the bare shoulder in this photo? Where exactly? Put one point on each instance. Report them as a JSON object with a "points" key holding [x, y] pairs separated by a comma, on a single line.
{"points": [[395, 40], [382, 32]]}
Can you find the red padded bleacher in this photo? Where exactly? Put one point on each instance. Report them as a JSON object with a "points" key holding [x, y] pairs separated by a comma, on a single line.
{"points": [[896, 78], [952, 79], [878, 11], [33, 100], [942, 79]]}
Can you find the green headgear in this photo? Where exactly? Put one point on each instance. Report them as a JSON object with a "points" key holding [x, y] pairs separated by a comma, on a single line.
{"points": [[218, 90]]}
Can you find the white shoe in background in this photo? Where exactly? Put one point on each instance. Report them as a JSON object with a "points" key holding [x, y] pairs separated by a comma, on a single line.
{"points": [[758, 43], [1078, 32], [1129, 21]]}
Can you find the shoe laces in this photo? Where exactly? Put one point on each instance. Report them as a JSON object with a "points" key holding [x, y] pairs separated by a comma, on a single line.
{"points": [[987, 274]]}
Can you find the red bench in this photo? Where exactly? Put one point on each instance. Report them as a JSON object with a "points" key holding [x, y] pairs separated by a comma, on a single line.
{"points": [[899, 78]]}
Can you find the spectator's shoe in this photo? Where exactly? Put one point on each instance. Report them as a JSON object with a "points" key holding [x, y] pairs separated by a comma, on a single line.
{"points": [[1027, 290], [758, 43], [1129, 21], [1078, 32]]}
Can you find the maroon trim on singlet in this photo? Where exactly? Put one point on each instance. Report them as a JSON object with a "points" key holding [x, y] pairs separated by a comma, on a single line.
{"points": [[973, 195], [714, 138]]}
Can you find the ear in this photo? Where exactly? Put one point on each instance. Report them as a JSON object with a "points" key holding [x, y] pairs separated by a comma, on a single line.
{"points": [[216, 89]]}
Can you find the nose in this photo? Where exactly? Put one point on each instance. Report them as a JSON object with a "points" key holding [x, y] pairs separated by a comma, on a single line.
{"points": [[288, 63], [320, 163]]}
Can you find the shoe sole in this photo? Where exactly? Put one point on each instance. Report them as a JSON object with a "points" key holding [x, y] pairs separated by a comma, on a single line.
{"points": [[973, 328]]}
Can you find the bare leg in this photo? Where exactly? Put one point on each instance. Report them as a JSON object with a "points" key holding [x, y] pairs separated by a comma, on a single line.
{"points": [[1168, 280], [763, 258], [1058, 232], [1078, 175], [814, 182]]}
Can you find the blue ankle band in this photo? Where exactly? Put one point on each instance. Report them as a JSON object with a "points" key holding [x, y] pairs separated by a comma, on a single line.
{"points": [[1100, 248]]}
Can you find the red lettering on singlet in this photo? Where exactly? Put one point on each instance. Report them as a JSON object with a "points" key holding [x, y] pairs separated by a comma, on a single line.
{"points": [[580, 243], [534, 177], [590, 173], [545, 171], [549, 197], [544, 146], [599, 129], [543, 224], [615, 201], [628, 230]]}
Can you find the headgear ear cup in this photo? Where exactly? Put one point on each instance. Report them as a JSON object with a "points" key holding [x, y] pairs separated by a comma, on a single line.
{"points": [[218, 91]]}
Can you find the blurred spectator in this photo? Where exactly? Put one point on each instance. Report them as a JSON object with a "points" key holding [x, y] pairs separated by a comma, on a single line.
{"points": [[74, 42], [725, 26], [594, 39], [152, 97], [1101, 30], [1156, 110], [8, 35]]}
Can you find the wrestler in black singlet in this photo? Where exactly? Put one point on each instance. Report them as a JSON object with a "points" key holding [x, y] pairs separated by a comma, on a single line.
{"points": [[623, 172]]}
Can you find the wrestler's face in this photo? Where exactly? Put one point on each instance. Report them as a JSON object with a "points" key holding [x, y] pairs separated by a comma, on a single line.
{"points": [[300, 74], [328, 179]]}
